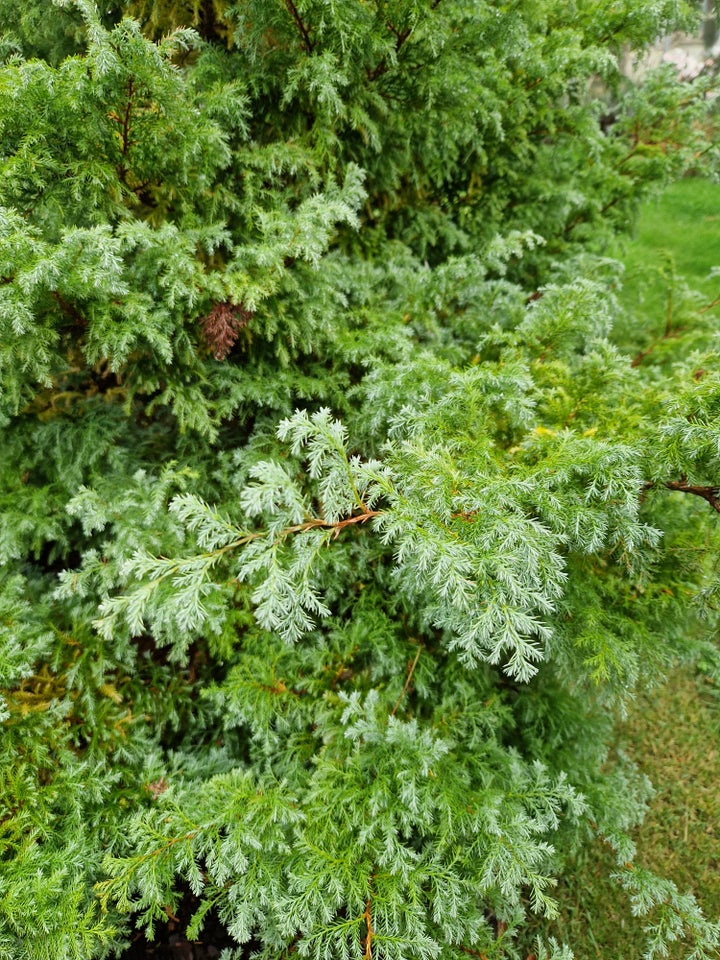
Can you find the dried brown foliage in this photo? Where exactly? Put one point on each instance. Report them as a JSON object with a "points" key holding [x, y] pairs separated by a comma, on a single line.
{"points": [[222, 325]]}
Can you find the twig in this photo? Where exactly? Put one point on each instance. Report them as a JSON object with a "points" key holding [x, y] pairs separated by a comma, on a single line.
{"points": [[69, 308], [411, 670], [639, 357], [709, 306], [307, 42], [367, 916], [582, 218], [315, 524], [400, 38], [126, 118], [669, 331]]}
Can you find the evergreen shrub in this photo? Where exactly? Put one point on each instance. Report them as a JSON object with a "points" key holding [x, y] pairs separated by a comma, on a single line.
{"points": [[337, 526]]}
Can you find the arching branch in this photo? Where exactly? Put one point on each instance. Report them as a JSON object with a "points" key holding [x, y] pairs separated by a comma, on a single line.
{"points": [[708, 493], [711, 494]]}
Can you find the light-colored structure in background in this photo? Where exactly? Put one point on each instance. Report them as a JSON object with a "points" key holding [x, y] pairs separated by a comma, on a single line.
{"points": [[689, 53]]}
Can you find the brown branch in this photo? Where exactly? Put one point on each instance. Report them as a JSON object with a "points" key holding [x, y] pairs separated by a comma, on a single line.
{"points": [[669, 331], [639, 357], [707, 493], [411, 670], [69, 309], [360, 518], [664, 143], [367, 916], [709, 306], [126, 118], [393, 29], [536, 83], [124, 122], [293, 10], [400, 38], [465, 516], [668, 335], [315, 524], [583, 217], [629, 155]]}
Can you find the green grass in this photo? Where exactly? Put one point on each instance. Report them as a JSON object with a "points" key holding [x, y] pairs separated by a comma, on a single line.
{"points": [[673, 733], [675, 246], [685, 222]]}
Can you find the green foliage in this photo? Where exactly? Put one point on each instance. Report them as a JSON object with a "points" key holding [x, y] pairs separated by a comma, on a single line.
{"points": [[336, 524]]}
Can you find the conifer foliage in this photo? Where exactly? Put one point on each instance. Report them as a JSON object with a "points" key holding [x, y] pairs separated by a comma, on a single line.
{"points": [[342, 507]]}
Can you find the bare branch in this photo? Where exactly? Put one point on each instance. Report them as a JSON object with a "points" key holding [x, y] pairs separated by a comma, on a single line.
{"points": [[708, 493], [300, 24], [367, 916]]}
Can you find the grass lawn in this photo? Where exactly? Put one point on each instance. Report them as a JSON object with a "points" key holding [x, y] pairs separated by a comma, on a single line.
{"points": [[674, 735], [673, 732], [685, 223], [675, 246]]}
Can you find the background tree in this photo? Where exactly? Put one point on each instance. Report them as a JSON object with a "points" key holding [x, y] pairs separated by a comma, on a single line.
{"points": [[336, 522]]}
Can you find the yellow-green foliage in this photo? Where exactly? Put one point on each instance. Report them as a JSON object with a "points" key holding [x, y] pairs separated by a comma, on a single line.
{"points": [[160, 17]]}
